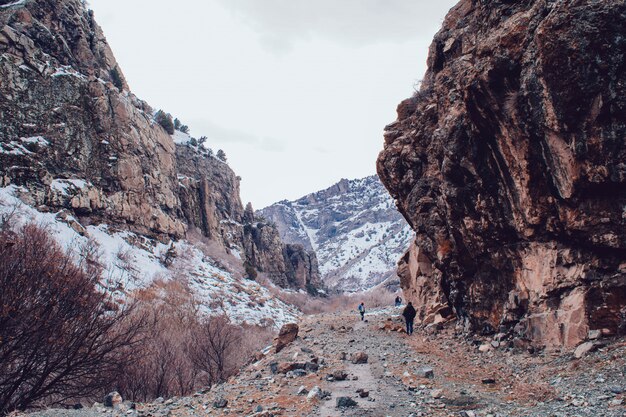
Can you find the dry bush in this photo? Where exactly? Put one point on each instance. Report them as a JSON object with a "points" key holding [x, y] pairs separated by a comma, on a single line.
{"points": [[59, 339], [184, 350]]}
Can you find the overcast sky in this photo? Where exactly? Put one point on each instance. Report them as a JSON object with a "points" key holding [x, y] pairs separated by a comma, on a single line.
{"points": [[296, 92]]}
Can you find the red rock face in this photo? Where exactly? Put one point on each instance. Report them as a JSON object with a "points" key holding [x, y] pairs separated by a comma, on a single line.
{"points": [[510, 165]]}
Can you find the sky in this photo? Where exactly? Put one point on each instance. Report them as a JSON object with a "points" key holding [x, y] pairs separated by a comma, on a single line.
{"points": [[296, 92]]}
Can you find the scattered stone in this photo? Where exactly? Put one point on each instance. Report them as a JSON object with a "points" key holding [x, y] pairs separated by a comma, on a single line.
{"points": [[363, 393], [220, 403], [302, 390], [339, 375], [436, 393], [112, 399], [287, 334], [359, 357], [594, 334], [485, 348], [495, 344], [616, 389], [296, 373], [467, 414], [345, 402], [488, 381], [311, 367], [425, 372], [583, 349], [314, 394]]}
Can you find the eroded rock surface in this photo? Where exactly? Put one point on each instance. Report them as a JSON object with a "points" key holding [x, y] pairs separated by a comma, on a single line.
{"points": [[509, 164]]}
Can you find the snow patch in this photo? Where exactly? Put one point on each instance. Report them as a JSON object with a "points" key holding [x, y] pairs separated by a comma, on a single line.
{"points": [[136, 265], [67, 71], [39, 140], [180, 138]]}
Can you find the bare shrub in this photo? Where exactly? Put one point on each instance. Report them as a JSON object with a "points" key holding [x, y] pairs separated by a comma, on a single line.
{"points": [[185, 350], [59, 339], [214, 347]]}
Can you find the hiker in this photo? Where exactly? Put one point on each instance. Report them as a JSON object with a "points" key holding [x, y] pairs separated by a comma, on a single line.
{"points": [[362, 310], [398, 301], [409, 315]]}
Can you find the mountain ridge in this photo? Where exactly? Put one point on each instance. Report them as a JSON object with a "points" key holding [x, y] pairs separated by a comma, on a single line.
{"points": [[352, 226]]}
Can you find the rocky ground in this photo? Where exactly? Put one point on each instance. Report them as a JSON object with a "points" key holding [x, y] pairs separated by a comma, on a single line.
{"points": [[376, 370]]}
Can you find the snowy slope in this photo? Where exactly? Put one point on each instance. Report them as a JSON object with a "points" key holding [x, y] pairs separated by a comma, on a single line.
{"points": [[353, 227], [132, 262]]}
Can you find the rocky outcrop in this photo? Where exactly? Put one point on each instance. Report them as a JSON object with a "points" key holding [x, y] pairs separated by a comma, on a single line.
{"points": [[81, 143], [71, 132], [286, 265], [509, 165], [353, 227]]}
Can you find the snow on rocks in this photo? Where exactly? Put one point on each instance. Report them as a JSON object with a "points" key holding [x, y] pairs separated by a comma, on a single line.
{"points": [[133, 262]]}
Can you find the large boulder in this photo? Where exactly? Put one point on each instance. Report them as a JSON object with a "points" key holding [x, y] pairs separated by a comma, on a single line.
{"points": [[287, 334]]}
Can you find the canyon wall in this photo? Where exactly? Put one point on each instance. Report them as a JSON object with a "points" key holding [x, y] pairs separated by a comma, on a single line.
{"points": [[510, 165]]}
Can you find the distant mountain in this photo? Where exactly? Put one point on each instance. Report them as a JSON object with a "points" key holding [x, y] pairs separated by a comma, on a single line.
{"points": [[354, 228]]}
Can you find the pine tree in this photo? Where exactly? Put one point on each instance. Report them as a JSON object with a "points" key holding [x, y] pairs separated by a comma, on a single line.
{"points": [[165, 120]]}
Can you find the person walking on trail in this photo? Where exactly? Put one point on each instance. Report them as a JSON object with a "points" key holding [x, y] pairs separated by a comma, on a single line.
{"points": [[409, 315], [362, 310], [398, 301]]}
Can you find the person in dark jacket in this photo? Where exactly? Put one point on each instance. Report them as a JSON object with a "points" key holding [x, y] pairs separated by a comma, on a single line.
{"points": [[362, 310], [409, 315]]}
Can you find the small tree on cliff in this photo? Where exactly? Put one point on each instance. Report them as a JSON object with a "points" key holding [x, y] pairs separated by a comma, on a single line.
{"points": [[165, 120], [116, 78], [221, 155], [248, 214]]}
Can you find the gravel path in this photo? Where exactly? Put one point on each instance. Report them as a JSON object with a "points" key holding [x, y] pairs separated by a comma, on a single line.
{"points": [[431, 373]]}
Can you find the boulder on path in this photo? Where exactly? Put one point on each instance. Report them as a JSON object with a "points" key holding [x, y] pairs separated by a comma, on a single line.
{"points": [[287, 334], [315, 394], [112, 399], [363, 393], [359, 357], [345, 402], [425, 372], [583, 349], [339, 375]]}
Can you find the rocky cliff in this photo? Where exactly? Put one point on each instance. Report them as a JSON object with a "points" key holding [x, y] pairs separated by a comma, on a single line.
{"points": [[352, 226], [509, 163], [75, 137]]}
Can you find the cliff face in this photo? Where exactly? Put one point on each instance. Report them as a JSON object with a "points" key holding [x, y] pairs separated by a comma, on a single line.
{"points": [[63, 119], [353, 227], [73, 135], [509, 164]]}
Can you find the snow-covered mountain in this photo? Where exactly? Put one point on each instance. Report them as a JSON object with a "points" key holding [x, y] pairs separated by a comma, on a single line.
{"points": [[354, 228]]}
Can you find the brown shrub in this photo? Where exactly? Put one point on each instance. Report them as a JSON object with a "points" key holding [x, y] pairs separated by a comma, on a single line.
{"points": [[59, 339], [184, 349]]}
